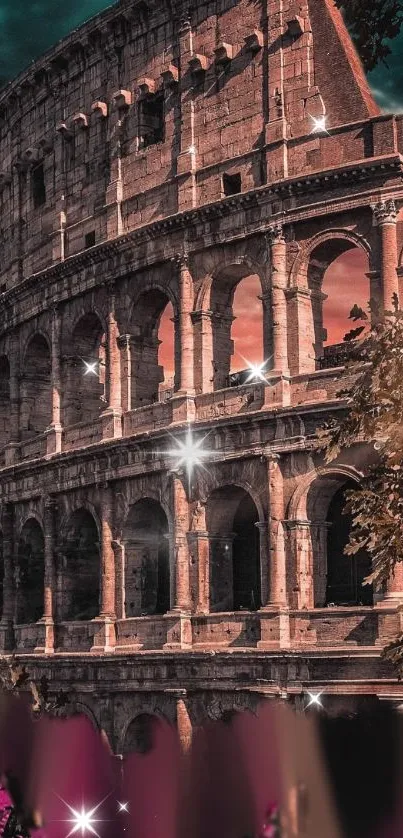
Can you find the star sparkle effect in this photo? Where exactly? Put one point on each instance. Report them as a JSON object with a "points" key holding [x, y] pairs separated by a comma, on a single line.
{"points": [[319, 124], [91, 367], [314, 700], [257, 372], [123, 807], [189, 453], [83, 821]]}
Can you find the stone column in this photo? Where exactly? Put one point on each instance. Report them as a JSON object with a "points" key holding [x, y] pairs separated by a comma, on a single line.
{"points": [[203, 351], [112, 416], [124, 344], [198, 539], [302, 559], [104, 638], [186, 326], [264, 563], [49, 595], [183, 722], [394, 586], [181, 552], [277, 552], [7, 639], [302, 333], [54, 433], [278, 257], [12, 448], [385, 215]]}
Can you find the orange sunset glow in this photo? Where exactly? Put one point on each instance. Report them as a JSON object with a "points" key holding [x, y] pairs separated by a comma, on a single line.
{"points": [[345, 283]]}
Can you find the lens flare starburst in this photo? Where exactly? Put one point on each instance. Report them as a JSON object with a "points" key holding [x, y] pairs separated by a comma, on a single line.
{"points": [[123, 807], [83, 821], [314, 700], [189, 453], [319, 125], [91, 368]]}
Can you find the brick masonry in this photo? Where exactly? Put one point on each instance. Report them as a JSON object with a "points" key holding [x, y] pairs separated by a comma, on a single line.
{"points": [[159, 155]]}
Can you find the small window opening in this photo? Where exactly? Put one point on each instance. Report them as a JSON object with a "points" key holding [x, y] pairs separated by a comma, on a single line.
{"points": [[90, 239], [38, 186], [151, 120], [232, 184]]}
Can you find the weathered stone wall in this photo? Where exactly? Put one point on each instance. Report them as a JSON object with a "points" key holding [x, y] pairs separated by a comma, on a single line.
{"points": [[103, 224]]}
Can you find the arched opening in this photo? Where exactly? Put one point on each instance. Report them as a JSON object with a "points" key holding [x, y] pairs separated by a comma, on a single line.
{"points": [[5, 425], [140, 735], [31, 573], [241, 336], [338, 280], [147, 571], [166, 353], [80, 570], [153, 351], [36, 393], [247, 328], [84, 372], [338, 579], [231, 517], [345, 574]]}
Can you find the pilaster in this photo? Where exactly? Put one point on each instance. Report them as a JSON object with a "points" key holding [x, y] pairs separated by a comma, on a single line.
{"points": [[105, 636], [385, 217]]}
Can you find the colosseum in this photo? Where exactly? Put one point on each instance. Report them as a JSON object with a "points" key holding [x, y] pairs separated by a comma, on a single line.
{"points": [[154, 163]]}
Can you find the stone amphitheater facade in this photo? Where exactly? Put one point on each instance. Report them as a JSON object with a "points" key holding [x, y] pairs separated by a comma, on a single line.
{"points": [[162, 154]]}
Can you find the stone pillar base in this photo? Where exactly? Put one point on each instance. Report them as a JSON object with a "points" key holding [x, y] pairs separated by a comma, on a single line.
{"points": [[48, 646], [53, 440], [111, 423], [183, 407], [11, 453], [104, 635], [7, 638], [277, 391], [180, 636]]}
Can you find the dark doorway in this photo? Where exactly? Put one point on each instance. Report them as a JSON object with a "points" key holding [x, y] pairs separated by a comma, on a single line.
{"points": [[245, 557], [345, 574]]}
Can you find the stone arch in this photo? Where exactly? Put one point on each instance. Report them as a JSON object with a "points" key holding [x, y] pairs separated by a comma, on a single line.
{"points": [[147, 374], [139, 733], [36, 386], [321, 530], [235, 566], [5, 401], [79, 570], [84, 370], [30, 572], [312, 309], [147, 569], [214, 318]]}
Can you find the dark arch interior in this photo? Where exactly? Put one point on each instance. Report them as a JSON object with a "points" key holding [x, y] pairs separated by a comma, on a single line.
{"points": [[84, 391], [31, 571], [80, 568], [362, 758], [147, 572], [36, 402], [140, 735], [234, 550], [147, 373], [345, 574]]}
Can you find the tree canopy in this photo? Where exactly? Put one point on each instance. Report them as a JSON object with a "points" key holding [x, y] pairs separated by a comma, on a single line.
{"points": [[374, 415], [372, 23]]}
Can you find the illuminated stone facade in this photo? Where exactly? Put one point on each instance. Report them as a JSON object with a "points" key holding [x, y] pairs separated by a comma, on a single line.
{"points": [[159, 155]]}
